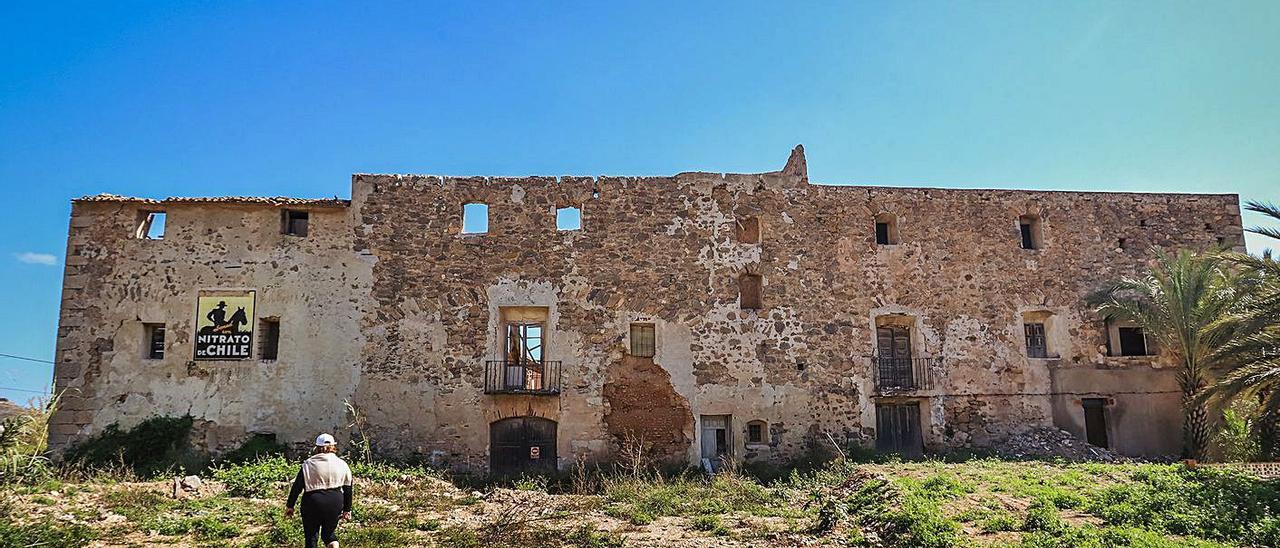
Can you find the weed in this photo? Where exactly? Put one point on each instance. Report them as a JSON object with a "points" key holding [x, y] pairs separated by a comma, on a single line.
{"points": [[47, 533], [154, 446], [710, 523], [1001, 521], [257, 479]]}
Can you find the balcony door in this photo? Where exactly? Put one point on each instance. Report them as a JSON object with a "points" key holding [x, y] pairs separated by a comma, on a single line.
{"points": [[893, 350], [524, 367]]}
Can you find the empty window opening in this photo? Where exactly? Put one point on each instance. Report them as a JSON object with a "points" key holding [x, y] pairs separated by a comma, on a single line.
{"points": [[150, 225], [475, 218], [1095, 421], [1133, 341], [886, 229], [749, 230], [1142, 223], [898, 429], [269, 339], [643, 343], [756, 431], [154, 340], [1029, 225], [1037, 344], [715, 441], [750, 287], [568, 218], [1120, 244], [294, 222]]}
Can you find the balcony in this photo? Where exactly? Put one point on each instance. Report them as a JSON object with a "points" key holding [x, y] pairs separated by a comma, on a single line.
{"points": [[902, 375], [522, 377]]}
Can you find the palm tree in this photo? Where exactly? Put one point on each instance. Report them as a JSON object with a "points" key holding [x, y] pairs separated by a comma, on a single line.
{"points": [[1179, 303], [1252, 360]]}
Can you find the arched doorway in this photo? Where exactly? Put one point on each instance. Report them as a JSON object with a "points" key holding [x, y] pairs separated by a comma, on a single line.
{"points": [[520, 445]]}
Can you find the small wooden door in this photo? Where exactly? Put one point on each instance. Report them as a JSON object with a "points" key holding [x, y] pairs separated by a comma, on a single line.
{"points": [[898, 429], [520, 445], [893, 362]]}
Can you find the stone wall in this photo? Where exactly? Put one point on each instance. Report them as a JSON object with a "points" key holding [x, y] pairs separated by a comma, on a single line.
{"points": [[416, 309]]}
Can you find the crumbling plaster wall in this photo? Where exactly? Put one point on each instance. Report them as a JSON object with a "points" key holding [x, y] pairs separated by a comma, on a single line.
{"points": [[115, 282], [422, 302], [665, 250]]}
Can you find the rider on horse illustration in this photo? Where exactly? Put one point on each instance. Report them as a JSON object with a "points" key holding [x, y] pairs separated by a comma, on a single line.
{"points": [[218, 315]]}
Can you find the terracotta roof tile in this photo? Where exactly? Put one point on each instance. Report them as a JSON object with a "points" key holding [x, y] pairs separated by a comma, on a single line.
{"points": [[257, 200]]}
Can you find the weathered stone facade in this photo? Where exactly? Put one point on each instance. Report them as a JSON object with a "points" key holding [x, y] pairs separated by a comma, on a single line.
{"points": [[388, 304]]}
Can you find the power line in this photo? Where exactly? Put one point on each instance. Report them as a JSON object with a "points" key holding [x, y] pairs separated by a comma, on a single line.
{"points": [[38, 360], [24, 390]]}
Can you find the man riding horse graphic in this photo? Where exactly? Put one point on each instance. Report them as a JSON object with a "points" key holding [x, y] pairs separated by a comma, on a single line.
{"points": [[217, 317]]}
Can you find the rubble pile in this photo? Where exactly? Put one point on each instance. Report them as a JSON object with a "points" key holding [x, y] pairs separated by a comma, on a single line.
{"points": [[1054, 442]]}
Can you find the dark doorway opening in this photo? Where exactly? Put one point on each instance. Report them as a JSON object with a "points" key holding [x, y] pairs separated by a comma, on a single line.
{"points": [[1095, 421], [522, 445], [898, 429]]}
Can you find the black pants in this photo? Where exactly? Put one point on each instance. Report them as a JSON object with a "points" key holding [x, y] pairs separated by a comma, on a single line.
{"points": [[320, 512]]}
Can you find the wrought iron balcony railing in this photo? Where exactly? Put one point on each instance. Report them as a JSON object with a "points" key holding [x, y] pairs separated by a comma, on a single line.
{"points": [[896, 375], [522, 377]]}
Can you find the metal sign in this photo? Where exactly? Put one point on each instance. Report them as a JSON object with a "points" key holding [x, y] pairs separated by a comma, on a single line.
{"points": [[224, 325], [535, 452]]}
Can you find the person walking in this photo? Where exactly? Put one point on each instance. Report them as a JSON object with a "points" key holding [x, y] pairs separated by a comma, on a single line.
{"points": [[325, 485]]}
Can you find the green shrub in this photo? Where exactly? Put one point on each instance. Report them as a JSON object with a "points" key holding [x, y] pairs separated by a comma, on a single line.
{"points": [[1042, 516], [256, 479], [1208, 503], [459, 537], [211, 527], [374, 536], [710, 523], [257, 447], [587, 536], [47, 533], [154, 446], [999, 522], [134, 504]]}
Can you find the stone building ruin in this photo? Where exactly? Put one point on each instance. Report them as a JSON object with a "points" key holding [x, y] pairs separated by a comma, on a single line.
{"points": [[752, 317]]}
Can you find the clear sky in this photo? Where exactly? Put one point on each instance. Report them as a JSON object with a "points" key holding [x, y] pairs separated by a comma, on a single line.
{"points": [[290, 98]]}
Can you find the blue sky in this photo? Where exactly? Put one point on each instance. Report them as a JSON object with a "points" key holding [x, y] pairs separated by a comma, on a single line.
{"points": [[210, 98]]}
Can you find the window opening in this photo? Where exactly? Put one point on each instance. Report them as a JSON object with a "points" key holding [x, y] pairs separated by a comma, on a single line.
{"points": [[269, 347], [1029, 225], [886, 229], [154, 340], [475, 218], [1133, 341], [643, 343], [294, 223], [150, 225], [1037, 344], [568, 218]]}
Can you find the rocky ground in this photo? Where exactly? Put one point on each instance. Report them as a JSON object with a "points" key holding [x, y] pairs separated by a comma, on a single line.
{"points": [[890, 503]]}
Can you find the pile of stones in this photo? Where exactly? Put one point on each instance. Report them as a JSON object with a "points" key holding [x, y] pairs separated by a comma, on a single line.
{"points": [[1054, 442]]}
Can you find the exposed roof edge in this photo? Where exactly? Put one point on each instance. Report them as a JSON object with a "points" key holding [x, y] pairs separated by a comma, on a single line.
{"points": [[249, 200]]}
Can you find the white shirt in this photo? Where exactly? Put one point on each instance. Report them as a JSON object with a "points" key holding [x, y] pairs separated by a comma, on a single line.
{"points": [[324, 471]]}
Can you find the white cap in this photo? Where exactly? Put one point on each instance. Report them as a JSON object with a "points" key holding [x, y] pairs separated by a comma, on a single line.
{"points": [[325, 439]]}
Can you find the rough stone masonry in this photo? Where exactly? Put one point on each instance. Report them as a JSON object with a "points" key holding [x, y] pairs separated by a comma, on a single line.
{"points": [[702, 317]]}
